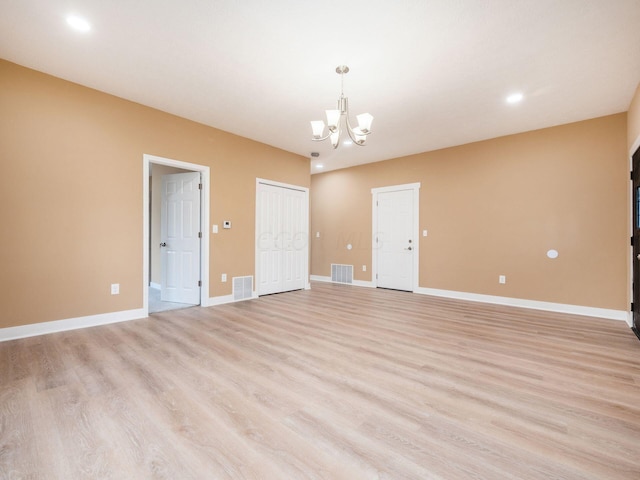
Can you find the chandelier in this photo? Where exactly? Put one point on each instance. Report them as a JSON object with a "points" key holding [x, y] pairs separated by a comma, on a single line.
{"points": [[335, 123]]}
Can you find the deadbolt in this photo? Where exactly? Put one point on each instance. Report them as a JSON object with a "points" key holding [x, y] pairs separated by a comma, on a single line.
{"points": [[163, 244]]}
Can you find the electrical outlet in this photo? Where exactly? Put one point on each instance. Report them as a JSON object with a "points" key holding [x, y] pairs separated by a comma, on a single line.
{"points": [[115, 289], [502, 279], [224, 277]]}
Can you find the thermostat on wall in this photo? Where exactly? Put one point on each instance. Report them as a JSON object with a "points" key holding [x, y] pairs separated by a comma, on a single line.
{"points": [[226, 224]]}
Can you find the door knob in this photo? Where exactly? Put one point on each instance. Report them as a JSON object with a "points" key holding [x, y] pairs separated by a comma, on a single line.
{"points": [[638, 256], [163, 244]]}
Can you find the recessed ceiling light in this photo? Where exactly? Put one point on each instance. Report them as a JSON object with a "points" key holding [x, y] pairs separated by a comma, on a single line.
{"points": [[319, 166], [515, 98], [78, 23]]}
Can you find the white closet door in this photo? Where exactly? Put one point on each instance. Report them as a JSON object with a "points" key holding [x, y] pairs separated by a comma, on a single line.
{"points": [[282, 239], [294, 239], [269, 246]]}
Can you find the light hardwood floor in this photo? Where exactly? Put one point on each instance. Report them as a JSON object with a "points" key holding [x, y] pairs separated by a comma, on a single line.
{"points": [[333, 383]]}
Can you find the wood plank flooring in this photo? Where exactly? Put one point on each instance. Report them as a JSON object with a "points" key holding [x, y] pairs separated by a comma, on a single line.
{"points": [[334, 383]]}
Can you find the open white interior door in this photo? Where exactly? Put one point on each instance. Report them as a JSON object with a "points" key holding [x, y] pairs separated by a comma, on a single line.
{"points": [[180, 238]]}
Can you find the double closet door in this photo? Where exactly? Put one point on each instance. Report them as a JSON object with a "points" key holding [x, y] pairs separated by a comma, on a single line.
{"points": [[282, 238]]}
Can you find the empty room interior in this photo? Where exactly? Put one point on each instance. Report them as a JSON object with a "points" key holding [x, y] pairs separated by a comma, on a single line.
{"points": [[349, 240]]}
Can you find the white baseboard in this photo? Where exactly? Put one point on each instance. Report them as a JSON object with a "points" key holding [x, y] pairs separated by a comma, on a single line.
{"points": [[155, 286], [532, 304], [23, 331], [357, 283], [31, 330], [224, 299], [363, 283], [221, 300], [319, 278], [513, 302]]}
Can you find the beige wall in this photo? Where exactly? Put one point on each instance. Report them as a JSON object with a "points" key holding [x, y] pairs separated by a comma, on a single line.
{"points": [[494, 208], [71, 190], [633, 120]]}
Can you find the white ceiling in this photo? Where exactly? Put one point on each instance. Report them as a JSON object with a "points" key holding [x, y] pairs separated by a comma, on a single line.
{"points": [[434, 73]]}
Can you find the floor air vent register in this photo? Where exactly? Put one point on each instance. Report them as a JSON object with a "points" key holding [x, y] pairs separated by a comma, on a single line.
{"points": [[242, 288], [341, 273]]}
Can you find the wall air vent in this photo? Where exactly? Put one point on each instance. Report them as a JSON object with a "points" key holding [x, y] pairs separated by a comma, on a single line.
{"points": [[242, 288], [341, 273]]}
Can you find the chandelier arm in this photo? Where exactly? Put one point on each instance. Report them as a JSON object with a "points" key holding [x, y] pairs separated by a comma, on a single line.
{"points": [[321, 139], [353, 138], [350, 128], [359, 143], [339, 133], [352, 135]]}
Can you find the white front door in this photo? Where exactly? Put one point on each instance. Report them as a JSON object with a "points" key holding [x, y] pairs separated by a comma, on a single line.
{"points": [[180, 238], [282, 239], [395, 243]]}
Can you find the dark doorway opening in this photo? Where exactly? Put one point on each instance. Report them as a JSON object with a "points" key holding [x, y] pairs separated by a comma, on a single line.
{"points": [[635, 241]]}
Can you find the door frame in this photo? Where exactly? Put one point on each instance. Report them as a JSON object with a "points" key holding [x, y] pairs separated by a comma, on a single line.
{"points": [[415, 187], [307, 224], [147, 160], [630, 226]]}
